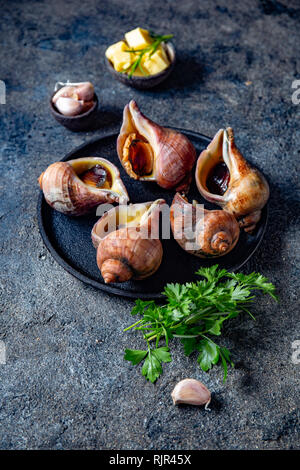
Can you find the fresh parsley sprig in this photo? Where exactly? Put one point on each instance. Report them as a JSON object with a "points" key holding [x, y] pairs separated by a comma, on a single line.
{"points": [[151, 49], [194, 313]]}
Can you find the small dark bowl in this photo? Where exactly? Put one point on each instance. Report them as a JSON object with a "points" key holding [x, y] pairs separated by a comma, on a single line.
{"points": [[82, 122], [142, 83]]}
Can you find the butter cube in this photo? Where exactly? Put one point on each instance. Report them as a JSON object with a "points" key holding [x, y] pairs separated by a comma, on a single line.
{"points": [[163, 53], [117, 55], [156, 63], [138, 38], [139, 73]]}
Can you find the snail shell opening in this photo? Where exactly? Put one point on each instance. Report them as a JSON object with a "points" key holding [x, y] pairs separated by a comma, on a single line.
{"points": [[212, 173], [138, 156]]}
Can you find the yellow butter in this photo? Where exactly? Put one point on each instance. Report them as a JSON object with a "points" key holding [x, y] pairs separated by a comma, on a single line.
{"points": [[117, 55], [163, 53], [156, 63], [138, 38], [139, 73]]}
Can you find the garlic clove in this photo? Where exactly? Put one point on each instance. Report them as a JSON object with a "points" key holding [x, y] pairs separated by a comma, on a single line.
{"points": [[65, 92], [69, 106], [85, 91], [81, 91], [191, 392]]}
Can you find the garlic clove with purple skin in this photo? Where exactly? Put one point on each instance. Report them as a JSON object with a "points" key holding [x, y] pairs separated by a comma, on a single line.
{"points": [[72, 99], [85, 91], [69, 106], [65, 92], [191, 392], [80, 91]]}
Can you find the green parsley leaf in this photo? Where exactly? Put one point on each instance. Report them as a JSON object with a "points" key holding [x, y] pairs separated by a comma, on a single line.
{"points": [[135, 356], [209, 354], [152, 368], [189, 345], [162, 354]]}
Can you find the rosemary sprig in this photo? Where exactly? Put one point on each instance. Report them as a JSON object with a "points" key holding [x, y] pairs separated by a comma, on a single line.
{"points": [[151, 49]]}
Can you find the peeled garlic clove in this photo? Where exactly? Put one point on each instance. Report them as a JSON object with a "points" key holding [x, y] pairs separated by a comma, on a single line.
{"points": [[69, 190], [191, 392], [81, 91], [73, 99], [149, 152], [124, 248], [69, 106], [214, 233], [65, 92], [243, 191], [85, 91]]}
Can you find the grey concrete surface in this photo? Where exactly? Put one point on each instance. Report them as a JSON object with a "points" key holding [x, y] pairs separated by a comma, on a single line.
{"points": [[65, 384]]}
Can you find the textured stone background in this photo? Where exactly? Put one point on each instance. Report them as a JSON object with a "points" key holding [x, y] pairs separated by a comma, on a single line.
{"points": [[65, 384]]}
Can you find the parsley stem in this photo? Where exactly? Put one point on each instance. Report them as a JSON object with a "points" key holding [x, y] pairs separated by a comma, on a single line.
{"points": [[195, 317], [131, 326]]}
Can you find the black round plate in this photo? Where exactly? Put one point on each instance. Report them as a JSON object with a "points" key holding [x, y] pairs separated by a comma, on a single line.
{"points": [[69, 238]]}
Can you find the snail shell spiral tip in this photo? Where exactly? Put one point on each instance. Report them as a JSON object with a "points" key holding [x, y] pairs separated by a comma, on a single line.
{"points": [[115, 270], [221, 242]]}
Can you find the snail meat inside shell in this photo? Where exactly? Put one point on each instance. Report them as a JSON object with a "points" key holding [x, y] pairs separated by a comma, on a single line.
{"points": [[149, 152], [139, 154], [218, 179], [97, 176]]}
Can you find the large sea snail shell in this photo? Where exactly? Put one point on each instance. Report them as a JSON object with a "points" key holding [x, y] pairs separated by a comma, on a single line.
{"points": [[77, 186], [149, 152], [127, 243], [224, 177], [201, 232]]}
